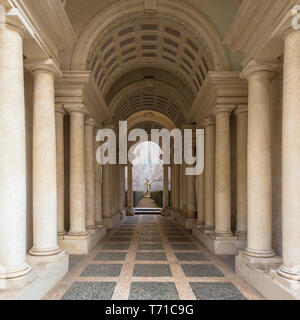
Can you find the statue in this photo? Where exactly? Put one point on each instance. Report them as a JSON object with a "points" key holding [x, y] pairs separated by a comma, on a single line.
{"points": [[148, 185]]}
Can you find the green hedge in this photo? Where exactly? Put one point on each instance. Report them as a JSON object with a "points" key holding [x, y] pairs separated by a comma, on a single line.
{"points": [[157, 196]]}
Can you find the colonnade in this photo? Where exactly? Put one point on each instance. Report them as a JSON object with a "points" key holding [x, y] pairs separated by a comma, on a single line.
{"points": [[89, 189]]}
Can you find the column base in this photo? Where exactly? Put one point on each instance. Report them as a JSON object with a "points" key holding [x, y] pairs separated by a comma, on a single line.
{"points": [[260, 254], [289, 273], [187, 223], [81, 244], [122, 213], [91, 229], [175, 213], [219, 245], [111, 223], [262, 274], [241, 235], [14, 273], [130, 212], [46, 273], [199, 225], [166, 212], [223, 235], [43, 253]]}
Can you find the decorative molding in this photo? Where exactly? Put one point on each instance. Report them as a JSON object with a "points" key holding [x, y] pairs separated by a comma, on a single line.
{"points": [[219, 88], [48, 24], [157, 117], [78, 87], [254, 30], [254, 66], [47, 65], [150, 6]]}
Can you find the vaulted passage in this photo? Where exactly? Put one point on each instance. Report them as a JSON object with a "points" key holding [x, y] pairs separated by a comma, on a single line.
{"points": [[83, 83]]}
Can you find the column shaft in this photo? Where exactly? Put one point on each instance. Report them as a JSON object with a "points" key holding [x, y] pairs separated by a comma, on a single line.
{"points": [[77, 172], [223, 172], [291, 159], [12, 157], [200, 200], [98, 190], [44, 165], [241, 185], [90, 157], [166, 187], [106, 191], [60, 170], [190, 197], [177, 187], [209, 174], [259, 186], [129, 187]]}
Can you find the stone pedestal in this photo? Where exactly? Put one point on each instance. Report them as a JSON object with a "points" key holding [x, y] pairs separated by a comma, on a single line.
{"points": [[81, 244], [46, 273], [111, 222], [262, 275], [219, 245]]}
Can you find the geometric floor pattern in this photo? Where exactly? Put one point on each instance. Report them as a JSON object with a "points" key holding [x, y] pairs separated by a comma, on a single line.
{"points": [[150, 258]]}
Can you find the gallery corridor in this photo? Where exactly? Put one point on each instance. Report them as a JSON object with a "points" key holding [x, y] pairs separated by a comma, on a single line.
{"points": [[151, 258]]}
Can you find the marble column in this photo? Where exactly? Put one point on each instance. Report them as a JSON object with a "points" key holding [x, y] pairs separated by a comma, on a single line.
{"points": [[172, 187], [290, 268], [259, 186], [166, 186], [223, 172], [106, 191], [182, 190], [190, 197], [241, 113], [129, 190], [200, 200], [90, 157], [209, 174], [44, 182], [12, 156], [98, 188], [177, 187], [77, 171], [122, 186], [60, 169]]}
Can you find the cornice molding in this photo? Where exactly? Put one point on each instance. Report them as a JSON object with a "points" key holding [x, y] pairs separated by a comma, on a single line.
{"points": [[254, 29], [48, 65], [78, 87], [219, 88], [48, 24]]}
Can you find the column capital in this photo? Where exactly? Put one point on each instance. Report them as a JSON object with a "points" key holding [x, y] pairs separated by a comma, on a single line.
{"points": [[60, 109], [14, 26], [79, 108], [261, 67], [43, 65], [224, 109], [211, 121], [241, 109], [90, 122]]}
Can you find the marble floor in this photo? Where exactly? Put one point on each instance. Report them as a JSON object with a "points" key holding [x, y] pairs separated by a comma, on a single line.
{"points": [[151, 258]]}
